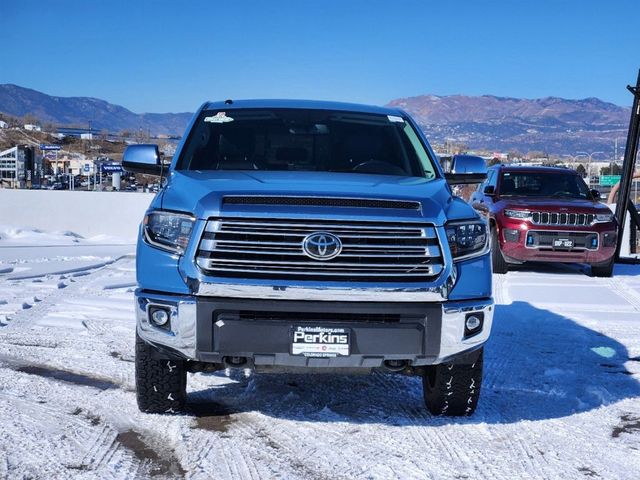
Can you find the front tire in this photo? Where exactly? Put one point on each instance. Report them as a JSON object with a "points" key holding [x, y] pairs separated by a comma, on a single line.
{"points": [[453, 390], [605, 270], [498, 262], [161, 383]]}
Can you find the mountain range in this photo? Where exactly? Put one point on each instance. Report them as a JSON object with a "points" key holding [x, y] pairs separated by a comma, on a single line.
{"points": [[551, 125], [84, 111]]}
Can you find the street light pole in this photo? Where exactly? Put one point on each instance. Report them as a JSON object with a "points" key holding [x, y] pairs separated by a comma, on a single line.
{"points": [[590, 156], [584, 154]]}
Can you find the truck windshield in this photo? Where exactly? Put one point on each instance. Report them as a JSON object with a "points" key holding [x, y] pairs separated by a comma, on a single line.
{"points": [[305, 140], [543, 184]]}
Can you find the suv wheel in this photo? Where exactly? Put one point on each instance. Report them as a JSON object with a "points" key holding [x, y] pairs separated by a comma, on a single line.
{"points": [[604, 270], [453, 389], [161, 383], [497, 259]]}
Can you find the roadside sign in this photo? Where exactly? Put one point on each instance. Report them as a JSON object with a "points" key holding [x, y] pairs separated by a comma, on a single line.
{"points": [[87, 167], [609, 180], [51, 155], [44, 146], [111, 168]]}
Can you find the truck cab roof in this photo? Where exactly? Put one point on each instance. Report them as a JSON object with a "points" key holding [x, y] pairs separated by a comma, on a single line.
{"points": [[300, 104]]}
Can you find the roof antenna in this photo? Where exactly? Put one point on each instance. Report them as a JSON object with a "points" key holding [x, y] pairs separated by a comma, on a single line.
{"points": [[228, 101]]}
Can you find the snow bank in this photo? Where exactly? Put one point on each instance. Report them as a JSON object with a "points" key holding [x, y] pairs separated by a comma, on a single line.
{"points": [[104, 215]]}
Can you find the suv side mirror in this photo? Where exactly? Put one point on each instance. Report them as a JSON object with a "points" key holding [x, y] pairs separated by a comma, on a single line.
{"points": [[489, 190], [595, 194], [143, 158], [466, 169]]}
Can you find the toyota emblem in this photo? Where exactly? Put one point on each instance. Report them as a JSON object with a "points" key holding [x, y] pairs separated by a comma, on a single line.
{"points": [[322, 246]]}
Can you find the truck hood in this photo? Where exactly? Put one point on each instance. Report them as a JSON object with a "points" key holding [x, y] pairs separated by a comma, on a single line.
{"points": [[201, 193], [554, 204]]}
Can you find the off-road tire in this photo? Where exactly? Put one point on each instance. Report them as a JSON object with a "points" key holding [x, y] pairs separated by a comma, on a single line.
{"points": [[161, 384], [605, 270], [497, 259], [451, 389]]}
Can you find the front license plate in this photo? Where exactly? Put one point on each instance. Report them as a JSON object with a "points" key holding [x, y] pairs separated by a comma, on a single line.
{"points": [[320, 342], [563, 243]]}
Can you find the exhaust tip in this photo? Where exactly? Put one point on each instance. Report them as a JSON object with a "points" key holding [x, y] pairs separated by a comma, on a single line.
{"points": [[395, 365], [234, 362]]}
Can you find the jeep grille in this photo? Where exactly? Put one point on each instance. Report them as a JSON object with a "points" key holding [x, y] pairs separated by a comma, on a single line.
{"points": [[553, 218]]}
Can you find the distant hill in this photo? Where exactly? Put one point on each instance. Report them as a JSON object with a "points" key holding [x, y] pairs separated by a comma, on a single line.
{"points": [[79, 111], [552, 125]]}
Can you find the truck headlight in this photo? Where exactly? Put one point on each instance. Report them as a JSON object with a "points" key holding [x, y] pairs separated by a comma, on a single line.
{"points": [[522, 214], [603, 218], [467, 239], [167, 230]]}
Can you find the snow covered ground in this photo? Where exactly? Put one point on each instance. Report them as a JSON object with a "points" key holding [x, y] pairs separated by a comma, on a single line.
{"points": [[561, 397]]}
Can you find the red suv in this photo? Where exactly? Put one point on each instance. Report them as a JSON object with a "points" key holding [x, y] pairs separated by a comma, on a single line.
{"points": [[545, 214]]}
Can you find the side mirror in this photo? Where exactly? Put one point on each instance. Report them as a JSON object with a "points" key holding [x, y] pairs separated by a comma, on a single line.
{"points": [[466, 169], [595, 194], [489, 190], [143, 158]]}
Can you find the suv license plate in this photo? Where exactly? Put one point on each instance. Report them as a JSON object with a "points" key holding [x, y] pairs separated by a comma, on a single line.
{"points": [[320, 342], [563, 243]]}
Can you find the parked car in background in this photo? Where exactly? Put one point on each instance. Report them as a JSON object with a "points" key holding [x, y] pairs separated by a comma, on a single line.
{"points": [[545, 214]]}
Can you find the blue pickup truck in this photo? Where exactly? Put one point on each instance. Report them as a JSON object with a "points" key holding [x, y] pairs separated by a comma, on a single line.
{"points": [[310, 236]]}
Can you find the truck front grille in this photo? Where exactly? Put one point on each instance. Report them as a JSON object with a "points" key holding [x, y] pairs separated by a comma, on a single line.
{"points": [[554, 218], [273, 249]]}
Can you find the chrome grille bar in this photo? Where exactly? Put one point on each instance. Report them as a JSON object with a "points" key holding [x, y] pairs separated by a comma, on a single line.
{"points": [[553, 218], [272, 248]]}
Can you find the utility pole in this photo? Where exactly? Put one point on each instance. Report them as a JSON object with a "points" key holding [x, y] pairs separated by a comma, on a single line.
{"points": [[623, 202]]}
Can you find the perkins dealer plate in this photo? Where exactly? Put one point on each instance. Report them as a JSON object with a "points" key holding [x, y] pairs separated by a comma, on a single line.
{"points": [[320, 341]]}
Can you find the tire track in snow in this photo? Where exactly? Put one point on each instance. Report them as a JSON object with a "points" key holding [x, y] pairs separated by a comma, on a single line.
{"points": [[101, 448], [436, 433], [73, 298], [256, 432], [86, 444], [211, 455], [619, 286], [31, 418]]}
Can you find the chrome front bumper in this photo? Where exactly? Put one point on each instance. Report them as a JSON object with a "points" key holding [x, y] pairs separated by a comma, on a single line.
{"points": [[182, 337], [329, 293]]}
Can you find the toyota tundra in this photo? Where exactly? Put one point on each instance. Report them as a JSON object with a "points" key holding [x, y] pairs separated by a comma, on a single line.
{"points": [[310, 236]]}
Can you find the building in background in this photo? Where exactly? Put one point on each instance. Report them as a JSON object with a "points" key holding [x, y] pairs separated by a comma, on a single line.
{"points": [[20, 167]]}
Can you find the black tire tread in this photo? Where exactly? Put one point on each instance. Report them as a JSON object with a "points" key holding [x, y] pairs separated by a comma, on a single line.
{"points": [[498, 262], [161, 384], [602, 270], [453, 389]]}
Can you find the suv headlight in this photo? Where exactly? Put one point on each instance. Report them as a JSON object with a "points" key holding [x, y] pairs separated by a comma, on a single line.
{"points": [[467, 239], [603, 218], [523, 214], [167, 230]]}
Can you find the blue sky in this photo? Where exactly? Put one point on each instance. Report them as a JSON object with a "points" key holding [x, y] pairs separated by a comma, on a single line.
{"points": [[160, 56]]}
